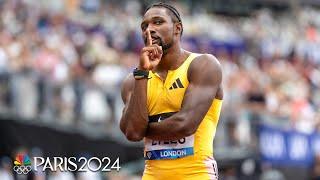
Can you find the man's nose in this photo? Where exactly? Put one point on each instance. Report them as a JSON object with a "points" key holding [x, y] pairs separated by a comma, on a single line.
{"points": [[151, 29]]}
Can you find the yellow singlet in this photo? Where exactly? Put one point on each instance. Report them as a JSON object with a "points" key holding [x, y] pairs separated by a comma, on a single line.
{"points": [[190, 158]]}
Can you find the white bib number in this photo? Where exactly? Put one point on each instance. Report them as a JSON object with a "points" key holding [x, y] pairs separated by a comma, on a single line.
{"points": [[155, 150]]}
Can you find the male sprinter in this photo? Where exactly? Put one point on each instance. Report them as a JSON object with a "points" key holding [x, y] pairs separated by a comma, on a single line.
{"points": [[173, 101]]}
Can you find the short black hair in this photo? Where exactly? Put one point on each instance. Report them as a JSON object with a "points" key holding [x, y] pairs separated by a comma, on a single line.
{"points": [[175, 15]]}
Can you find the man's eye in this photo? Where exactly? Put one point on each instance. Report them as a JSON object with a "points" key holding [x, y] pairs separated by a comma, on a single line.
{"points": [[158, 22], [143, 27]]}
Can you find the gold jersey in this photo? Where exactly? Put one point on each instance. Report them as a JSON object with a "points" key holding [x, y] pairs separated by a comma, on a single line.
{"points": [[190, 157]]}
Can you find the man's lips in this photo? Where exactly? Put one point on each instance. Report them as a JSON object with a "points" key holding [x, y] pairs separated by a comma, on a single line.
{"points": [[154, 39]]}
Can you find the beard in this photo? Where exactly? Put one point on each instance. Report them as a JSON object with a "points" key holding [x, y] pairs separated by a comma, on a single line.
{"points": [[165, 46]]}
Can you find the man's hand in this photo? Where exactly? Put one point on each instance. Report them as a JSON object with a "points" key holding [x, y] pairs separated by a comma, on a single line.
{"points": [[150, 54], [134, 120]]}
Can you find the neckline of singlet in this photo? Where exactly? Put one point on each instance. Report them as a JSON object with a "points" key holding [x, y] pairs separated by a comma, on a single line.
{"points": [[189, 58]]}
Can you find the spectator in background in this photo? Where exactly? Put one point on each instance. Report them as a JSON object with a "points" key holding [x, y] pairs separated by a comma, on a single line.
{"points": [[6, 168], [316, 168], [59, 175]]}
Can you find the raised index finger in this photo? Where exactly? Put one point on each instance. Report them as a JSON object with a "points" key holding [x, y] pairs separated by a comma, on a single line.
{"points": [[149, 39]]}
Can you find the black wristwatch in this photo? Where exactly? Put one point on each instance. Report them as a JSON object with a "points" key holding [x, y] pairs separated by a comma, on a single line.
{"points": [[140, 74]]}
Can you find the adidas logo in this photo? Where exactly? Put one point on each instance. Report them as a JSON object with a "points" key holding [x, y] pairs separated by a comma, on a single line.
{"points": [[176, 84]]}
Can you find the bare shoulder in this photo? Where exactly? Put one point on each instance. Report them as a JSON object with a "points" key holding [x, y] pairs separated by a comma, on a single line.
{"points": [[127, 87], [205, 70], [205, 64]]}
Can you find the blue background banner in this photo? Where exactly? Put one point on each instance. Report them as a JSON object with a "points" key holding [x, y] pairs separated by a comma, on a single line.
{"points": [[288, 148]]}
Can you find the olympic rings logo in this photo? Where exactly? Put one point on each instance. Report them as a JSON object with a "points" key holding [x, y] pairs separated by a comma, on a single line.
{"points": [[22, 169]]}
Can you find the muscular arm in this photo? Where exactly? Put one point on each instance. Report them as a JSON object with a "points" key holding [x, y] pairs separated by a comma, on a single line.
{"points": [[205, 77], [134, 120]]}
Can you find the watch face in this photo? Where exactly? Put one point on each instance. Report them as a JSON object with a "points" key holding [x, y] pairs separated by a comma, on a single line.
{"points": [[139, 77]]}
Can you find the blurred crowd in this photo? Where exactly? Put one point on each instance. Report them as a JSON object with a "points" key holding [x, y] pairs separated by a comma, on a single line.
{"points": [[276, 79], [63, 61], [64, 65]]}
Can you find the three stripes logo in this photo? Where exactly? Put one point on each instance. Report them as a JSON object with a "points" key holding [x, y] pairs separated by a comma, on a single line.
{"points": [[176, 84]]}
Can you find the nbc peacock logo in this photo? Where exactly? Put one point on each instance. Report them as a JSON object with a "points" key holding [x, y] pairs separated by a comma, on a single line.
{"points": [[22, 164]]}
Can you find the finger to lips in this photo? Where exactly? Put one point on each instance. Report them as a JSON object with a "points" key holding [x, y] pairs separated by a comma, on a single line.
{"points": [[149, 39]]}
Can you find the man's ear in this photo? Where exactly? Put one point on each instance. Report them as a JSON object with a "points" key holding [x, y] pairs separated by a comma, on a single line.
{"points": [[178, 28]]}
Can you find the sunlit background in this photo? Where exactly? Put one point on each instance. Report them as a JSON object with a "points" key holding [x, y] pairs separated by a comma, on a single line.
{"points": [[62, 63]]}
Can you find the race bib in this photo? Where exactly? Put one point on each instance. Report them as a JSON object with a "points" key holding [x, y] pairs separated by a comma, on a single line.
{"points": [[169, 149], [155, 150]]}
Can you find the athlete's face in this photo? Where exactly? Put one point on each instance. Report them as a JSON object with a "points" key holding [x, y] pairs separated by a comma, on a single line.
{"points": [[161, 27]]}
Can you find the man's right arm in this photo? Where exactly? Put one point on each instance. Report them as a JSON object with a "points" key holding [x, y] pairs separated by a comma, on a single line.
{"points": [[134, 120]]}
